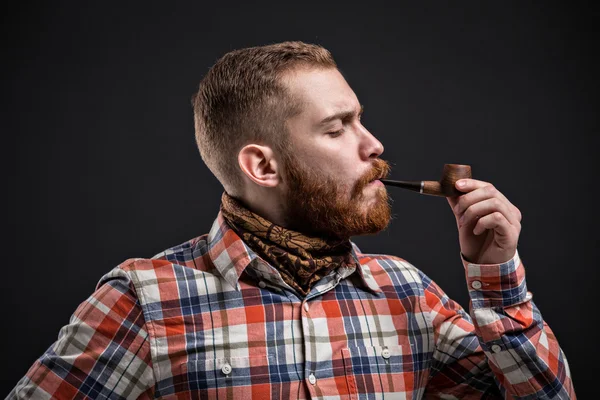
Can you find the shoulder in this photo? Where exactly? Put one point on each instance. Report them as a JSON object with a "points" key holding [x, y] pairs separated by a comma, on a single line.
{"points": [[190, 256]]}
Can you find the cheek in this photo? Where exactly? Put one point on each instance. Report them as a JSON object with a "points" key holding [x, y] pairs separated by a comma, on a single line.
{"points": [[338, 163], [342, 174], [331, 161]]}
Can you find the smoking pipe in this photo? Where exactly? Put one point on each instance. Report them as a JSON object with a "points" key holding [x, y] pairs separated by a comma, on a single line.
{"points": [[444, 188]]}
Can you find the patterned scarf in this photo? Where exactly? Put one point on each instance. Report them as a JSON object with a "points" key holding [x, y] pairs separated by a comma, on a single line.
{"points": [[301, 260]]}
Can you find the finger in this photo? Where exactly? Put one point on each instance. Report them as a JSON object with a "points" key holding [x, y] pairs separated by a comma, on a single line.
{"points": [[486, 207], [499, 224], [480, 190], [465, 185], [470, 185]]}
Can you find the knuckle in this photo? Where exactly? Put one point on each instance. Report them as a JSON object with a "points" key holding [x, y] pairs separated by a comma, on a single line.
{"points": [[519, 214], [467, 213], [491, 190], [497, 216], [460, 205]]}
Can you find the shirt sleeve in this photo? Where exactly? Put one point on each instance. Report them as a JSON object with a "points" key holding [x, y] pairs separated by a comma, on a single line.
{"points": [[103, 352], [504, 348]]}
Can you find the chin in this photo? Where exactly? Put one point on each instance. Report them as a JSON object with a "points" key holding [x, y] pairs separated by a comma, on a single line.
{"points": [[372, 201]]}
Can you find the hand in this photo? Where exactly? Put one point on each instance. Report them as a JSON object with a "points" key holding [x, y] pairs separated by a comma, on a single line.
{"points": [[488, 224]]}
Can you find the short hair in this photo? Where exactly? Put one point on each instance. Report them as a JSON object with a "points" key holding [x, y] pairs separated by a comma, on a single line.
{"points": [[243, 99]]}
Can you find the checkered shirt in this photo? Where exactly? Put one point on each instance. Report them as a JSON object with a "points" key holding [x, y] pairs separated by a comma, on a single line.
{"points": [[210, 319]]}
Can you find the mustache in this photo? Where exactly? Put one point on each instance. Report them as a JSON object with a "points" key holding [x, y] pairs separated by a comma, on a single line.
{"points": [[380, 170]]}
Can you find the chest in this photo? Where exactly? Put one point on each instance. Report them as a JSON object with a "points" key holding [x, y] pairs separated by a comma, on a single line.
{"points": [[263, 342]]}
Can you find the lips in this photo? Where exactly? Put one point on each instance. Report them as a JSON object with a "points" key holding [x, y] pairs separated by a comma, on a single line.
{"points": [[372, 178], [378, 178]]}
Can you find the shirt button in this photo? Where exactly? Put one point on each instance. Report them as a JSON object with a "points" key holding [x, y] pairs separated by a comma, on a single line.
{"points": [[262, 284], [476, 285], [496, 348], [385, 353], [306, 307], [312, 379], [226, 369]]}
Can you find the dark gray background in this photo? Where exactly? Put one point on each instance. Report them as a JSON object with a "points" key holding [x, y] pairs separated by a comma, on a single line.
{"points": [[101, 163]]}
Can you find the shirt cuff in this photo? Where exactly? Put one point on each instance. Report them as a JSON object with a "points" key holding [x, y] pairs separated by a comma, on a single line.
{"points": [[496, 285]]}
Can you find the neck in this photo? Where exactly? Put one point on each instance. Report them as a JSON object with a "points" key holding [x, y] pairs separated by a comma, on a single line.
{"points": [[265, 202], [301, 259]]}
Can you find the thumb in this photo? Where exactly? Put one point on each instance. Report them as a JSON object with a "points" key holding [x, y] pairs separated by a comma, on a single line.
{"points": [[453, 201]]}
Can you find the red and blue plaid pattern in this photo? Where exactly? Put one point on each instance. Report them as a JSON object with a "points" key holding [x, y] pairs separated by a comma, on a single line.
{"points": [[210, 319]]}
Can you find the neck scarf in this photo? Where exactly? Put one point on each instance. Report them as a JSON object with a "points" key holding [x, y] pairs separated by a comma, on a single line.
{"points": [[301, 260]]}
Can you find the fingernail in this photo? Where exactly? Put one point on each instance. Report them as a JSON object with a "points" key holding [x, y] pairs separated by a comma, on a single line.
{"points": [[460, 221], [462, 183]]}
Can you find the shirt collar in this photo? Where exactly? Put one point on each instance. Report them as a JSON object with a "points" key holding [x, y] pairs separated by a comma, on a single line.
{"points": [[364, 271], [230, 255], [228, 252]]}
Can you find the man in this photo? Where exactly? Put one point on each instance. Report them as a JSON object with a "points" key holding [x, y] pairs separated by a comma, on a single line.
{"points": [[276, 302]]}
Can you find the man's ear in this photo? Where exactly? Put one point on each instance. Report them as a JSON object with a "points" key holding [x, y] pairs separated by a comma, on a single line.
{"points": [[259, 165]]}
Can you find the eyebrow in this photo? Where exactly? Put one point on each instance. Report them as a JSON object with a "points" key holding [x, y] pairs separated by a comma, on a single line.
{"points": [[341, 115]]}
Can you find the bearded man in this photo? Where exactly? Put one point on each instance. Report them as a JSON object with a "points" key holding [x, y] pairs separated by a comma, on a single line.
{"points": [[276, 302]]}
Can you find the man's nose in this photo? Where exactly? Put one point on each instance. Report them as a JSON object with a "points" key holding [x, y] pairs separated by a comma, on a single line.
{"points": [[370, 146]]}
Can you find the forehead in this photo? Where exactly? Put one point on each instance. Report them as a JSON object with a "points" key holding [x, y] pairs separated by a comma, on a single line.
{"points": [[323, 92]]}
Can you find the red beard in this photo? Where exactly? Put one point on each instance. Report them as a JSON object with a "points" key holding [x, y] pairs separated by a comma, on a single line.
{"points": [[316, 205]]}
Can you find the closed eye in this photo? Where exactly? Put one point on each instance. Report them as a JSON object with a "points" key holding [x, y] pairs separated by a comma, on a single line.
{"points": [[335, 134]]}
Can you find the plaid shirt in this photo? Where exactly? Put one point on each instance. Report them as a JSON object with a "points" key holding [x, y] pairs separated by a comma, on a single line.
{"points": [[210, 319]]}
